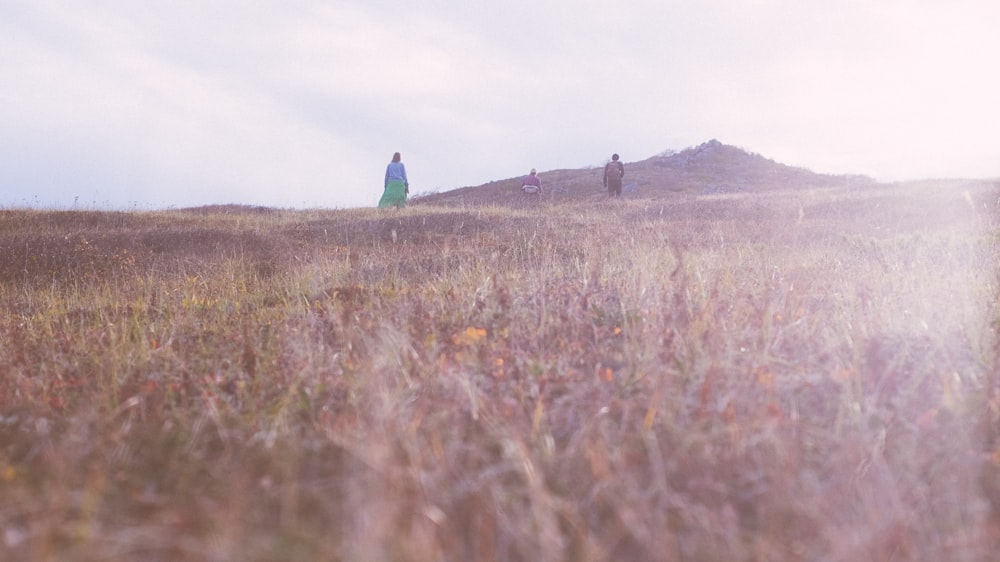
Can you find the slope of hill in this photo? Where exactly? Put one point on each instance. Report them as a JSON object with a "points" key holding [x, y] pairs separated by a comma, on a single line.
{"points": [[711, 167]]}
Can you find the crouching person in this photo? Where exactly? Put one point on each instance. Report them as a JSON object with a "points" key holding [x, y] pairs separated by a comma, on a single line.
{"points": [[531, 185]]}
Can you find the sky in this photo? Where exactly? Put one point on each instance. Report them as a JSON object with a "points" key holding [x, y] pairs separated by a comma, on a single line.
{"points": [[160, 104]]}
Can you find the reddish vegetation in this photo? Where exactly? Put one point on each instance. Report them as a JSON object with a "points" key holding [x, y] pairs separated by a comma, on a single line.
{"points": [[710, 168], [797, 374]]}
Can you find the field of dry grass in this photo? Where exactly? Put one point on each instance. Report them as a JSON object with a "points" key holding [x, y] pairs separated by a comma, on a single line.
{"points": [[801, 375]]}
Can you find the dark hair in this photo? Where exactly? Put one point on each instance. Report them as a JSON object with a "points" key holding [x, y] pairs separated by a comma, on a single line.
{"points": [[614, 157], [396, 157]]}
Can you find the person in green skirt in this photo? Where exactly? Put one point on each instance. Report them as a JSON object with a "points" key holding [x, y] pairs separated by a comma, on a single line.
{"points": [[396, 185]]}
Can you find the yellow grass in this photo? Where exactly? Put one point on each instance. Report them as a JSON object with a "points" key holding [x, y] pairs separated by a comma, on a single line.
{"points": [[799, 375]]}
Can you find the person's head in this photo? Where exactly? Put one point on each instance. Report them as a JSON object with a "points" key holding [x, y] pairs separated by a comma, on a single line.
{"points": [[396, 157], [533, 171], [614, 157]]}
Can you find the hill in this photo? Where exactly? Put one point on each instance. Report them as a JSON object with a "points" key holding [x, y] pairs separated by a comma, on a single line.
{"points": [[711, 167]]}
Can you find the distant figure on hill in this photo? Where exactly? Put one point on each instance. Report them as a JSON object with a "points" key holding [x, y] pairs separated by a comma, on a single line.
{"points": [[613, 174], [396, 185], [531, 184]]}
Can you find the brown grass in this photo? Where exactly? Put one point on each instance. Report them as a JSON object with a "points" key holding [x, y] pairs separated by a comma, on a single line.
{"points": [[798, 375]]}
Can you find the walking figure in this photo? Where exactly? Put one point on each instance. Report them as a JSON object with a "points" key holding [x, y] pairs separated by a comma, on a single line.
{"points": [[614, 171], [396, 185]]}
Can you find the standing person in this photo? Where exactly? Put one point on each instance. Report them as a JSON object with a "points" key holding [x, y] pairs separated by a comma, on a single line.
{"points": [[613, 174], [396, 185], [531, 184]]}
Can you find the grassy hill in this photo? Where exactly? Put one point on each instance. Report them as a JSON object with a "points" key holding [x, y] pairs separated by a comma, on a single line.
{"points": [[802, 372], [712, 167]]}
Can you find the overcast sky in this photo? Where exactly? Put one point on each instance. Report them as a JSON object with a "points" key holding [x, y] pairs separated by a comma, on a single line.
{"points": [[301, 103]]}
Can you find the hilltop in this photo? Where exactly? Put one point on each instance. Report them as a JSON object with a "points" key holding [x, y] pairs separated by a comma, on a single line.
{"points": [[711, 167]]}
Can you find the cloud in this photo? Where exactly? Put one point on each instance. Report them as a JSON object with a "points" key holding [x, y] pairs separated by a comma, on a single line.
{"points": [[301, 103]]}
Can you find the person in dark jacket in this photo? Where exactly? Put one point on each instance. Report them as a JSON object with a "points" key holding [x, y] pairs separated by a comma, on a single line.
{"points": [[613, 174]]}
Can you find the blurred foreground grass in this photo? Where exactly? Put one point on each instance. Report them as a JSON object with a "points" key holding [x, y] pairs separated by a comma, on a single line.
{"points": [[794, 376]]}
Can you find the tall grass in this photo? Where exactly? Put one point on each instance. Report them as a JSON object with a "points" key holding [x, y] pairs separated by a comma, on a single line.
{"points": [[796, 376]]}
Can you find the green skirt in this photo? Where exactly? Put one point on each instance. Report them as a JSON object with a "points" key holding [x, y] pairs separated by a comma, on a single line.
{"points": [[394, 195]]}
